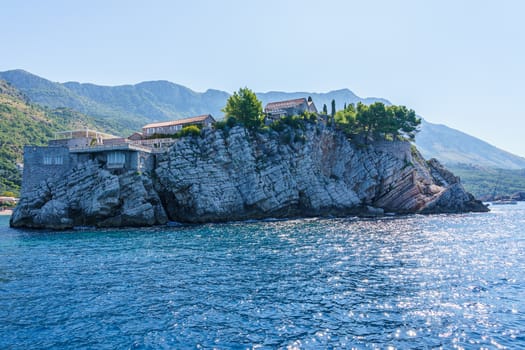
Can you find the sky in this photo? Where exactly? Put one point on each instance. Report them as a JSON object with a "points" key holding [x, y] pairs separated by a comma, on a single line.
{"points": [[458, 63]]}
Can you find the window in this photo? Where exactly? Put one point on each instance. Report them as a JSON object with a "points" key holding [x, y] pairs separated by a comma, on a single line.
{"points": [[59, 160], [48, 160], [116, 159]]}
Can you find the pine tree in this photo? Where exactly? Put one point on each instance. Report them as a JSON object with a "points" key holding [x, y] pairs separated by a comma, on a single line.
{"points": [[245, 107]]}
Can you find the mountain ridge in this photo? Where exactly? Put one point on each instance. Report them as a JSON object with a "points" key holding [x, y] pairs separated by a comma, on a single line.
{"points": [[453, 146]]}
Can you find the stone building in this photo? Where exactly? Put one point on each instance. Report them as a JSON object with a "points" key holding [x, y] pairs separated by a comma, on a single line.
{"points": [[172, 127], [80, 138], [280, 109], [73, 147]]}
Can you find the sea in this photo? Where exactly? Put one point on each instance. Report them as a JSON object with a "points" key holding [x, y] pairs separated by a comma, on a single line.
{"points": [[410, 282]]}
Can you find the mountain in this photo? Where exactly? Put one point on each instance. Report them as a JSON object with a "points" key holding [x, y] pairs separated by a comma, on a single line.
{"points": [[153, 100], [451, 146], [129, 107], [46, 93]]}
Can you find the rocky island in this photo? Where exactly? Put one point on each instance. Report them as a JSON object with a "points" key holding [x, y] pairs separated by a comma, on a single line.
{"points": [[295, 162], [239, 175]]}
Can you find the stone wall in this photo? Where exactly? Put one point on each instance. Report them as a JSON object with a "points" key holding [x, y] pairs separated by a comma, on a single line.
{"points": [[43, 163]]}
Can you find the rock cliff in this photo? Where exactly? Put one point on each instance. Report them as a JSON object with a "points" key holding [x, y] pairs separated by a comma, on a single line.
{"points": [[238, 175]]}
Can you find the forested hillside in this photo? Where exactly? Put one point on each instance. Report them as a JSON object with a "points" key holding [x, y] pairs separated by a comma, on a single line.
{"points": [[489, 183]]}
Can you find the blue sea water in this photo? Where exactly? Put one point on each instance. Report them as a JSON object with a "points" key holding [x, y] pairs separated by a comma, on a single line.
{"points": [[450, 281]]}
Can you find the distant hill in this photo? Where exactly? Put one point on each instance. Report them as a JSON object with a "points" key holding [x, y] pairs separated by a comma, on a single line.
{"points": [[489, 183], [131, 106], [153, 100], [451, 146]]}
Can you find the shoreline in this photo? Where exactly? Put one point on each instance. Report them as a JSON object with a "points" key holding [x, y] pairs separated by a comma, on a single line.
{"points": [[6, 212], [179, 224]]}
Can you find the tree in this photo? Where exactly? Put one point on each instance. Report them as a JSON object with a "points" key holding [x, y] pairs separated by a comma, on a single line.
{"points": [[333, 109], [245, 107], [378, 121], [345, 120], [325, 109], [407, 122]]}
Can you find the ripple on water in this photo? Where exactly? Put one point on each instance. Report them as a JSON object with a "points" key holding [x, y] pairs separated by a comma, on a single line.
{"points": [[418, 281]]}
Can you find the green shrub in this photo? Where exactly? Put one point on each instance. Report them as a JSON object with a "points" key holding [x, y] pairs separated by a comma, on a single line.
{"points": [[8, 194], [190, 130], [278, 125], [220, 125]]}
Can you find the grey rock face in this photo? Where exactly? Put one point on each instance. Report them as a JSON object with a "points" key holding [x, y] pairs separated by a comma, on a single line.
{"points": [[240, 175], [300, 173], [90, 196]]}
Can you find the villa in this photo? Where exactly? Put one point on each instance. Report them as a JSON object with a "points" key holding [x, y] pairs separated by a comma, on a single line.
{"points": [[113, 153], [280, 109], [172, 127]]}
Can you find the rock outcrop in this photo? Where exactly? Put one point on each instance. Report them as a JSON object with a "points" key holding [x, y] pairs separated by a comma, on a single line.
{"points": [[238, 175], [90, 196]]}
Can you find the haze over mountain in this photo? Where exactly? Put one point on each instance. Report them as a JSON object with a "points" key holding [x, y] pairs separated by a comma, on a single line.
{"points": [[131, 106], [452, 146]]}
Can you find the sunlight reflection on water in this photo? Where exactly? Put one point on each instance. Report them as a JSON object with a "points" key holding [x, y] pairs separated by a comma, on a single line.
{"points": [[411, 282]]}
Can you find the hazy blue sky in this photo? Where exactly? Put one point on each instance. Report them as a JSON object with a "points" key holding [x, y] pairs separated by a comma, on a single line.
{"points": [[460, 63]]}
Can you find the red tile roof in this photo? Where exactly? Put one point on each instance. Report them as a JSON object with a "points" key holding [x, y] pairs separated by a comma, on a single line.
{"points": [[272, 106], [191, 120]]}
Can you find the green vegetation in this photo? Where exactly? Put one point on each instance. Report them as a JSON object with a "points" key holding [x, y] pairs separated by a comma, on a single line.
{"points": [[294, 122], [131, 106], [371, 122], [486, 183], [188, 130], [245, 107], [377, 121], [225, 124], [20, 124]]}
